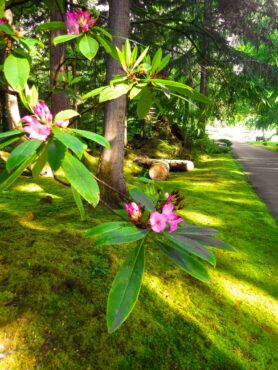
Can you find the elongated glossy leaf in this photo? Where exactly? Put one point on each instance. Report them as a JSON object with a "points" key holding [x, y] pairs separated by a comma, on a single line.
{"points": [[93, 93], [164, 63], [185, 261], [134, 54], [192, 247], [135, 91], [113, 92], [41, 160], [16, 71], [144, 103], [140, 197], [81, 179], [65, 115], [156, 60], [10, 133], [70, 141], [196, 230], [56, 154], [125, 288], [7, 179], [106, 228], [103, 31], [48, 26], [78, 201], [126, 234], [21, 153], [9, 140], [92, 136], [88, 47], [29, 42], [207, 240], [64, 38], [104, 43], [127, 52], [6, 29], [141, 57]]}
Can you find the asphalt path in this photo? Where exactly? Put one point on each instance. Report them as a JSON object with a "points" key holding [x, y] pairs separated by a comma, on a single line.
{"points": [[261, 167]]}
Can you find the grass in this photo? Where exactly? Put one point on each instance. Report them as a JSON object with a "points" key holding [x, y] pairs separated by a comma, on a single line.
{"points": [[54, 284], [270, 145]]}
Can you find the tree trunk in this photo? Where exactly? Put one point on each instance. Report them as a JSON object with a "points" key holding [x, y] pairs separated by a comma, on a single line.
{"points": [[59, 99], [11, 101], [112, 160], [204, 63]]}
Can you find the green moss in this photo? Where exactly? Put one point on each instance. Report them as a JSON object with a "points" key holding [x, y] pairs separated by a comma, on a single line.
{"points": [[54, 283]]}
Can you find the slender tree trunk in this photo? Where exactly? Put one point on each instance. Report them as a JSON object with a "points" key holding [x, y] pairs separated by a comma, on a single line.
{"points": [[11, 102], [204, 63], [111, 163], [59, 99]]}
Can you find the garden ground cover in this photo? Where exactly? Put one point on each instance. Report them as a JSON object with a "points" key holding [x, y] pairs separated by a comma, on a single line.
{"points": [[270, 145], [54, 283]]}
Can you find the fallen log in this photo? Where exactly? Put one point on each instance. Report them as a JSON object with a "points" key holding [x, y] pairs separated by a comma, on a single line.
{"points": [[159, 170], [175, 165]]}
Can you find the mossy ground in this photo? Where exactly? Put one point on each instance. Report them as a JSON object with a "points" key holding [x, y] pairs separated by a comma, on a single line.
{"points": [[54, 283], [270, 145]]}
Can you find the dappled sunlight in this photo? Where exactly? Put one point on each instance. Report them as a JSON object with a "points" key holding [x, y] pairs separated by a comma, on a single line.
{"points": [[201, 218], [30, 224], [32, 187], [247, 295]]}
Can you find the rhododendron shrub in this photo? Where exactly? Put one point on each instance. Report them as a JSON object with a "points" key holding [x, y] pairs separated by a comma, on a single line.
{"points": [[153, 216], [46, 140]]}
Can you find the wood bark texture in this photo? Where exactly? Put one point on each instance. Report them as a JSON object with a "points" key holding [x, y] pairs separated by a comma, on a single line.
{"points": [[111, 162]]}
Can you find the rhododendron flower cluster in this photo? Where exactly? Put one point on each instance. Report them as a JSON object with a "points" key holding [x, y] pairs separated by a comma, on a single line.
{"points": [[159, 221], [39, 126], [2, 21], [76, 20]]}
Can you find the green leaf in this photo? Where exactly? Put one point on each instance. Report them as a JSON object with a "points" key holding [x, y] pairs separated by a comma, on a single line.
{"points": [[113, 92], [134, 55], [94, 92], [10, 133], [207, 240], [126, 233], [156, 60], [16, 71], [106, 228], [56, 154], [134, 92], [141, 57], [2, 8], [6, 29], [81, 179], [92, 136], [88, 46], [127, 52], [49, 26], [195, 230], [125, 288], [104, 43], [41, 160], [9, 140], [164, 63], [29, 42], [121, 58], [21, 153], [185, 261], [7, 179], [104, 31], [64, 38], [70, 141], [191, 247], [144, 102], [65, 115], [140, 197], [78, 201]]}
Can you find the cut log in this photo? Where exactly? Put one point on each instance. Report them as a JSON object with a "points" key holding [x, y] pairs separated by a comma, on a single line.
{"points": [[159, 170], [175, 165]]}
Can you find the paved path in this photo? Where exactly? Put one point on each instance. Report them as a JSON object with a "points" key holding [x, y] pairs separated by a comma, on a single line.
{"points": [[261, 166]]}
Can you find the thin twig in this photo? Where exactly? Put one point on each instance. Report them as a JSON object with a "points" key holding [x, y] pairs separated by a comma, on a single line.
{"points": [[111, 209], [125, 197]]}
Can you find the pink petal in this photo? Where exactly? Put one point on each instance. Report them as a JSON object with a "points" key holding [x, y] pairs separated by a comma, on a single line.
{"points": [[157, 222], [85, 28], [168, 209], [29, 120], [37, 131], [43, 113]]}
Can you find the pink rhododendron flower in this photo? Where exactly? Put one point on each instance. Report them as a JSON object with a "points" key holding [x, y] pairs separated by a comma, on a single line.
{"points": [[34, 129], [43, 113], [72, 23], [170, 198], [158, 222], [172, 218], [2, 21], [75, 20], [134, 211]]}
